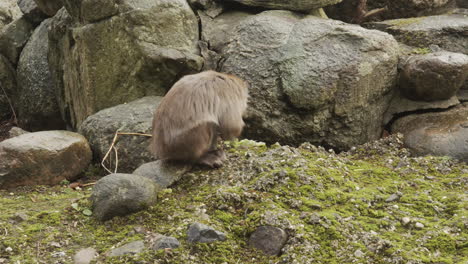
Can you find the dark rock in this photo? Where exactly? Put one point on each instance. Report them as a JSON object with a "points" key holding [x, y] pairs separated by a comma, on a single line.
{"points": [[31, 11], [163, 242], [293, 5], [7, 88], [203, 234], [49, 7], [36, 102], [85, 256], [462, 3], [164, 173], [440, 133], [130, 248], [433, 76], [13, 38], [122, 194], [446, 31], [136, 117], [268, 239], [304, 86], [46, 157]]}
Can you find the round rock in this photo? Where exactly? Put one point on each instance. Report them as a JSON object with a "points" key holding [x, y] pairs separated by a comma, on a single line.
{"points": [[204, 234], [122, 194], [163, 173], [46, 157], [435, 76], [268, 239]]}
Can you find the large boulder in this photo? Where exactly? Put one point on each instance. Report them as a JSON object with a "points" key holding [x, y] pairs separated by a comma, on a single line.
{"points": [[36, 103], [134, 117], [433, 76], [312, 79], [13, 37], [9, 11], [293, 5], [46, 157], [8, 87], [142, 49], [439, 133], [447, 31]]}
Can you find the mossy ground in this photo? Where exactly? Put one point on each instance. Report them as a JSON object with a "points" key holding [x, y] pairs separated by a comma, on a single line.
{"points": [[334, 208]]}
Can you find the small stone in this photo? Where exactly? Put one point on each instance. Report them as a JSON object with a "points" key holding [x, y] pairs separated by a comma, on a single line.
{"points": [[19, 217], [59, 254], [8, 249], [358, 253], [164, 242], [130, 248], [429, 178], [203, 234], [419, 225], [268, 239], [84, 256], [55, 244], [394, 197], [405, 221]]}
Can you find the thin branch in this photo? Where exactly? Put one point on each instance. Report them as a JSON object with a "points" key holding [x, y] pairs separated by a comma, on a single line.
{"points": [[15, 120]]}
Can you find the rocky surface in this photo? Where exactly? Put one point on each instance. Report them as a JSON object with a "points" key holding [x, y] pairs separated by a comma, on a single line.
{"points": [[35, 99], [448, 31], [200, 233], [85, 256], [31, 11], [439, 133], [122, 194], [434, 76], [268, 239], [8, 87], [411, 8], [9, 11], [294, 5], [46, 157], [49, 7], [304, 86], [164, 242], [13, 38], [134, 117], [130, 248], [163, 173]]}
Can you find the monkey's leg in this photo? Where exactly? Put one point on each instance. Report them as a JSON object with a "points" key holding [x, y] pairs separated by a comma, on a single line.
{"points": [[211, 159], [214, 157]]}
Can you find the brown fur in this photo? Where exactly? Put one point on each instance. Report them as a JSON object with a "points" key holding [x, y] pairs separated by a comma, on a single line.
{"points": [[196, 111]]}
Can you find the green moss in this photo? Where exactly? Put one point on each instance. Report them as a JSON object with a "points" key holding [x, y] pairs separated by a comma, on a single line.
{"points": [[405, 21]]}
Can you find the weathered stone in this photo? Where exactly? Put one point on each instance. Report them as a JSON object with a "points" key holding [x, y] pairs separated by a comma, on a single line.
{"points": [[440, 133], [46, 157], [162, 172], [410, 8], [268, 239], [135, 117], [16, 131], [132, 248], [210, 7], [433, 76], [31, 11], [36, 102], [19, 217], [91, 10], [312, 79], [7, 88], [85, 256], [13, 38], [163, 242], [122, 194], [462, 3], [140, 51], [9, 11], [49, 7], [203, 234], [293, 5], [447, 31]]}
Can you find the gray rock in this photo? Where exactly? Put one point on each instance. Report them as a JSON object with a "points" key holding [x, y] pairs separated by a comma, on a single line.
{"points": [[434, 76], [16, 131], [400, 104], [13, 38], [268, 239], [447, 31], [411, 8], [91, 10], [9, 11], [122, 194], [130, 248], [310, 78], [31, 11], [49, 7], [163, 173], [203, 234], [210, 7], [163, 242], [440, 133], [419, 225], [7, 88], [36, 102], [140, 51], [85, 256], [19, 217], [394, 197], [294, 5], [46, 157], [136, 117], [405, 221]]}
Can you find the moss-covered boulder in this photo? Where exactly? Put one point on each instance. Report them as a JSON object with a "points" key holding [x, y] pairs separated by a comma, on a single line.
{"points": [[46, 157], [142, 49]]}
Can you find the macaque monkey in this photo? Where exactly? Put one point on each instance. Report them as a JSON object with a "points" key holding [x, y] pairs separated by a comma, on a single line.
{"points": [[199, 110]]}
